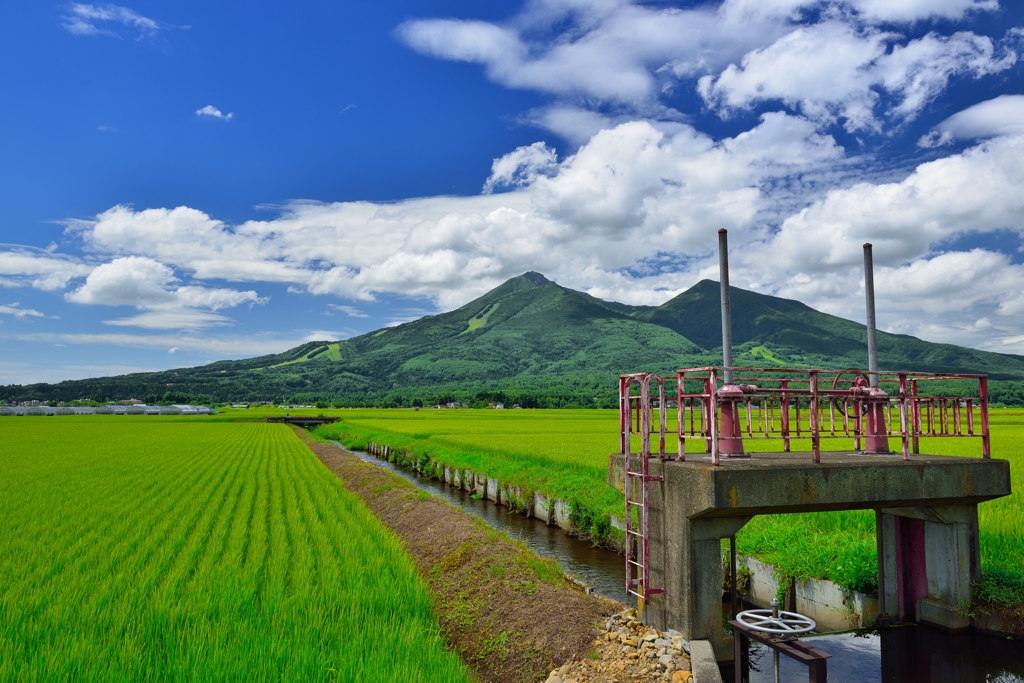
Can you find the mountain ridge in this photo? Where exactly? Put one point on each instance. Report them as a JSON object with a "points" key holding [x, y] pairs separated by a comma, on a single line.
{"points": [[537, 337]]}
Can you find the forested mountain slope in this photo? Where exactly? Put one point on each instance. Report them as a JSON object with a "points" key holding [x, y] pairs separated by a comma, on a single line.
{"points": [[533, 340]]}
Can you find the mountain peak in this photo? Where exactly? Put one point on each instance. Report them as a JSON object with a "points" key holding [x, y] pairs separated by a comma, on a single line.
{"points": [[536, 279]]}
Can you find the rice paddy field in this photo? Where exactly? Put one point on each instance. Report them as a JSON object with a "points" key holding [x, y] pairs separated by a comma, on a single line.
{"points": [[564, 453], [181, 550]]}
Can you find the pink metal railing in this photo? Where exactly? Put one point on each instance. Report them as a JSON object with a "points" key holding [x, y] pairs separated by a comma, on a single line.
{"points": [[789, 404]]}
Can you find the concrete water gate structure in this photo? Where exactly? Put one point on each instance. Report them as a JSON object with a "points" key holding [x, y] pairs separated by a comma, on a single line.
{"points": [[679, 506], [926, 506]]}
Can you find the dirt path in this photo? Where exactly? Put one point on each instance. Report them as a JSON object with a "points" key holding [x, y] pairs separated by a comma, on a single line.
{"points": [[511, 615]]}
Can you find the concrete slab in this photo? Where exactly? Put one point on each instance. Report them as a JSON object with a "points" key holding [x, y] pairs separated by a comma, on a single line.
{"points": [[773, 483], [704, 665]]}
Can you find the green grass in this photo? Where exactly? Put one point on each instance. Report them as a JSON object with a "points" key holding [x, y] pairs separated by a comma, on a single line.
{"points": [[766, 353], [561, 453], [178, 550], [480, 320], [330, 351], [564, 453]]}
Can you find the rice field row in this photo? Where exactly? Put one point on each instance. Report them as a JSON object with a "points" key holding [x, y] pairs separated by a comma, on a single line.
{"points": [[564, 453], [184, 551]]}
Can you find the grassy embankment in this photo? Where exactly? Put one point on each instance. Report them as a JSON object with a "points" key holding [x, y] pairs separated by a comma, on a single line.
{"points": [[564, 453], [169, 549]]}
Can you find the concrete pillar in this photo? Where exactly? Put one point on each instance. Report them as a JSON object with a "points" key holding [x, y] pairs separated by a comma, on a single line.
{"points": [[928, 557], [686, 560]]}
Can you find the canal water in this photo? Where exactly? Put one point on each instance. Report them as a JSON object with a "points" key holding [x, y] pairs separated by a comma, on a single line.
{"points": [[908, 654]]}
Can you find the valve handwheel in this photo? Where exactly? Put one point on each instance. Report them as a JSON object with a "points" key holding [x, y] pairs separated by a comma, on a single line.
{"points": [[784, 623], [847, 371]]}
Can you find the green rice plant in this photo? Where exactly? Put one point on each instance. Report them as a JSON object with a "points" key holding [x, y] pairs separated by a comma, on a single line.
{"points": [[564, 453], [148, 549]]}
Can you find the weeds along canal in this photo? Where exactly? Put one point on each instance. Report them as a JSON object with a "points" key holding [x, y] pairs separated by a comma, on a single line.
{"points": [[602, 570], [909, 654]]}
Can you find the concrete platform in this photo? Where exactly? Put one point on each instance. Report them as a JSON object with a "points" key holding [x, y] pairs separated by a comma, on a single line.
{"points": [[926, 564], [774, 483]]}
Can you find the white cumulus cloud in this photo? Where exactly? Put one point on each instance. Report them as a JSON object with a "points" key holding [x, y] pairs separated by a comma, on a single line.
{"points": [[152, 287], [611, 61], [614, 50], [899, 11], [834, 70], [522, 167], [631, 216], [45, 270], [1003, 115], [631, 192], [213, 112]]}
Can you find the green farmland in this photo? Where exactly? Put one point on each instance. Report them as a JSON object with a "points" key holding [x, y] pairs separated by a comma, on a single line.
{"points": [[564, 453], [182, 550]]}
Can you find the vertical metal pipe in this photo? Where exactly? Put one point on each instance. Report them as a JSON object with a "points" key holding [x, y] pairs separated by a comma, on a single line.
{"points": [[623, 415], [986, 448], [723, 270], [732, 579], [785, 415], [713, 416], [915, 417], [680, 417], [813, 414], [869, 294], [904, 417], [662, 417]]}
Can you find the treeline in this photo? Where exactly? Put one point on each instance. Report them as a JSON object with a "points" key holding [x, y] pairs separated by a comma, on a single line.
{"points": [[588, 392], [576, 390], [168, 398], [1007, 393]]}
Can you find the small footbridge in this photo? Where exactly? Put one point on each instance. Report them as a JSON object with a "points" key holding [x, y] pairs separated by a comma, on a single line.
{"points": [[305, 421]]}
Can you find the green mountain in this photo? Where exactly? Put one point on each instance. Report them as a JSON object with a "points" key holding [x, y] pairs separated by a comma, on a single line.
{"points": [[794, 333], [533, 340]]}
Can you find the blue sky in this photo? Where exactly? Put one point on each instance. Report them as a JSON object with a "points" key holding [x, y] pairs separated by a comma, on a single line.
{"points": [[185, 182]]}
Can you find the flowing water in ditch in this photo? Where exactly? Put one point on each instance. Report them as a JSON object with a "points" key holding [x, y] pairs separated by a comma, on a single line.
{"points": [[909, 654]]}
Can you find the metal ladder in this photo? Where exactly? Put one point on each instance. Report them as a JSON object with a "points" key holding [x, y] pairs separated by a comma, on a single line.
{"points": [[640, 406]]}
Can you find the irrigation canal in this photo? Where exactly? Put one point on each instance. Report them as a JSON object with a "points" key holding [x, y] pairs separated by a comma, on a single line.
{"points": [[909, 654], [602, 570]]}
